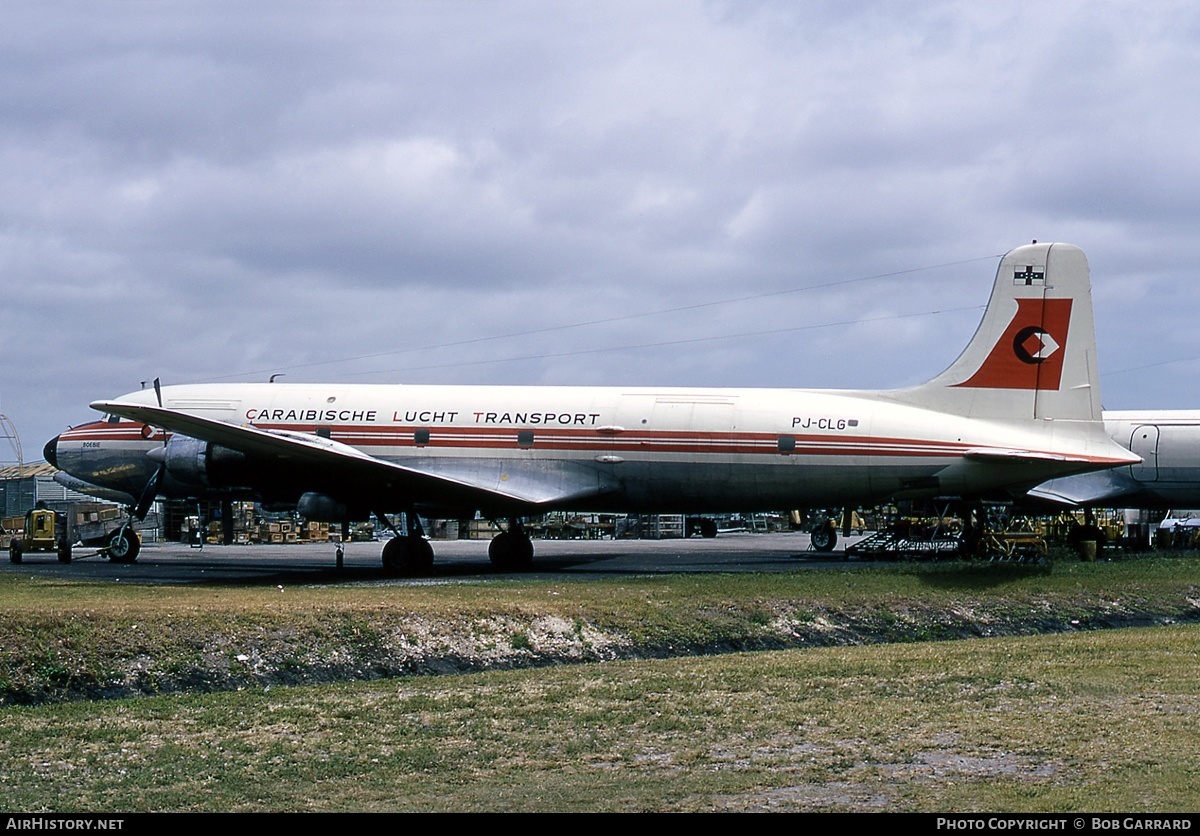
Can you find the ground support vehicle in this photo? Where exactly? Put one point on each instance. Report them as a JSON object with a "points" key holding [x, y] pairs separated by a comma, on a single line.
{"points": [[44, 531]]}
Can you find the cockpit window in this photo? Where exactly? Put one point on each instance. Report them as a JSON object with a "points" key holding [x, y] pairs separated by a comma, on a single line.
{"points": [[114, 419]]}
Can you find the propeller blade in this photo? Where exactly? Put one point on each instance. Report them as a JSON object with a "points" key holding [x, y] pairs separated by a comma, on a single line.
{"points": [[149, 493]]}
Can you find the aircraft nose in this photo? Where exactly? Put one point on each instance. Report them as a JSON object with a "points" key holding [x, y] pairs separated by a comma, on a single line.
{"points": [[50, 451]]}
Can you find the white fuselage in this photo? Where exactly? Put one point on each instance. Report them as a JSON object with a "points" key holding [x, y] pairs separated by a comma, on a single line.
{"points": [[650, 449]]}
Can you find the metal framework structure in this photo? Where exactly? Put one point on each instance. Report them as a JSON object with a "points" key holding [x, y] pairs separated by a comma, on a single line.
{"points": [[10, 444]]}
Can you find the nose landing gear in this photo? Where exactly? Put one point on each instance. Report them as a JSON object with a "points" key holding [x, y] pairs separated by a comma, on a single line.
{"points": [[124, 544]]}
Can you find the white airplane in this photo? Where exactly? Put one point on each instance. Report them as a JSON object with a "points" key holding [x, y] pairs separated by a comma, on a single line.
{"points": [[1020, 406], [1168, 475]]}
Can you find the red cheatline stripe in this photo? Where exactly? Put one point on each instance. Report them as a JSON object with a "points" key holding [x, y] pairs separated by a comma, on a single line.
{"points": [[498, 437], [658, 441]]}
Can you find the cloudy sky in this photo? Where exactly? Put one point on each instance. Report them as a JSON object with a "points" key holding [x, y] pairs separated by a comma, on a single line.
{"points": [[668, 193]]}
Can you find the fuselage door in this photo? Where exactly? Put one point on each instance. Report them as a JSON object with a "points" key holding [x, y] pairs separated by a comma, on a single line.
{"points": [[689, 437], [1144, 442]]}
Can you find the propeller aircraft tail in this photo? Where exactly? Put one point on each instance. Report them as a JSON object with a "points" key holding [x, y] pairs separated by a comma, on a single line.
{"points": [[1034, 354]]}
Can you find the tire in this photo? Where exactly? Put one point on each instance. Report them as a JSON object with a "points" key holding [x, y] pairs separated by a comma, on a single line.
{"points": [[64, 552], [407, 557], [510, 552], [123, 546], [824, 538], [14, 551]]}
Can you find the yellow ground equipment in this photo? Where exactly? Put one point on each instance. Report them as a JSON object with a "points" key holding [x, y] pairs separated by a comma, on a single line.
{"points": [[44, 531]]}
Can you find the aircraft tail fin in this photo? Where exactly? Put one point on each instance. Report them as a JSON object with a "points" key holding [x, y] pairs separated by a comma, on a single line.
{"points": [[1034, 354]]}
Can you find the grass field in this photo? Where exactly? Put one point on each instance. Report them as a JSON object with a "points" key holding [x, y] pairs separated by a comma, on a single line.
{"points": [[885, 716]]}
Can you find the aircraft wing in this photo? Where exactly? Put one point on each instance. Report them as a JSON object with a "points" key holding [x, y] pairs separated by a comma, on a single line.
{"points": [[506, 483]]}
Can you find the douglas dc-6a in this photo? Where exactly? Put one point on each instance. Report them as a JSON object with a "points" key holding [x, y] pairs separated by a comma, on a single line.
{"points": [[1019, 407]]}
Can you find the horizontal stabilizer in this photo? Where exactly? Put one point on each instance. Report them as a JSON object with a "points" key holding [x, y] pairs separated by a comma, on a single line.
{"points": [[1053, 497], [998, 454], [1086, 489]]}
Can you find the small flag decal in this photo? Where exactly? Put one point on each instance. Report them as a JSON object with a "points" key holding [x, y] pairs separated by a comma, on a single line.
{"points": [[1029, 275]]}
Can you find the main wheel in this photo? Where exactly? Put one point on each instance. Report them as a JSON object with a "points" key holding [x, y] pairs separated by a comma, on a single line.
{"points": [[123, 546], [64, 551], [407, 556], [14, 551], [510, 551], [824, 538]]}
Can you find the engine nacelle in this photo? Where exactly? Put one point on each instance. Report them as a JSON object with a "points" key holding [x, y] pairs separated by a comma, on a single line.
{"points": [[197, 463], [322, 507]]}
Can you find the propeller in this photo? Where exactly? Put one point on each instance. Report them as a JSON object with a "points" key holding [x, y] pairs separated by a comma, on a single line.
{"points": [[151, 490]]}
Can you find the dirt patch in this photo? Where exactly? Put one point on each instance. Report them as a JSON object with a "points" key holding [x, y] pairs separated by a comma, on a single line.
{"points": [[198, 657]]}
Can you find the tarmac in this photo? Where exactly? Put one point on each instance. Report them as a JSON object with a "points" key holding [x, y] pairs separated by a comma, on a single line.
{"points": [[315, 563]]}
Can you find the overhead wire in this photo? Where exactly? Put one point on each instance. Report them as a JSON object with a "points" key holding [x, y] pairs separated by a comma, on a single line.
{"points": [[665, 343], [279, 370]]}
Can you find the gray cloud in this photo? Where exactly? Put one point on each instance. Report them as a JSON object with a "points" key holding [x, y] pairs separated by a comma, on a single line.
{"points": [[195, 191]]}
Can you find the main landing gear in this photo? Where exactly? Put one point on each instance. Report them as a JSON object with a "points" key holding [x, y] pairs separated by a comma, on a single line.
{"points": [[407, 555], [511, 550]]}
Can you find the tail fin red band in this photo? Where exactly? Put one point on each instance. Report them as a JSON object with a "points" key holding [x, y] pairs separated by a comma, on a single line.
{"points": [[1030, 352]]}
